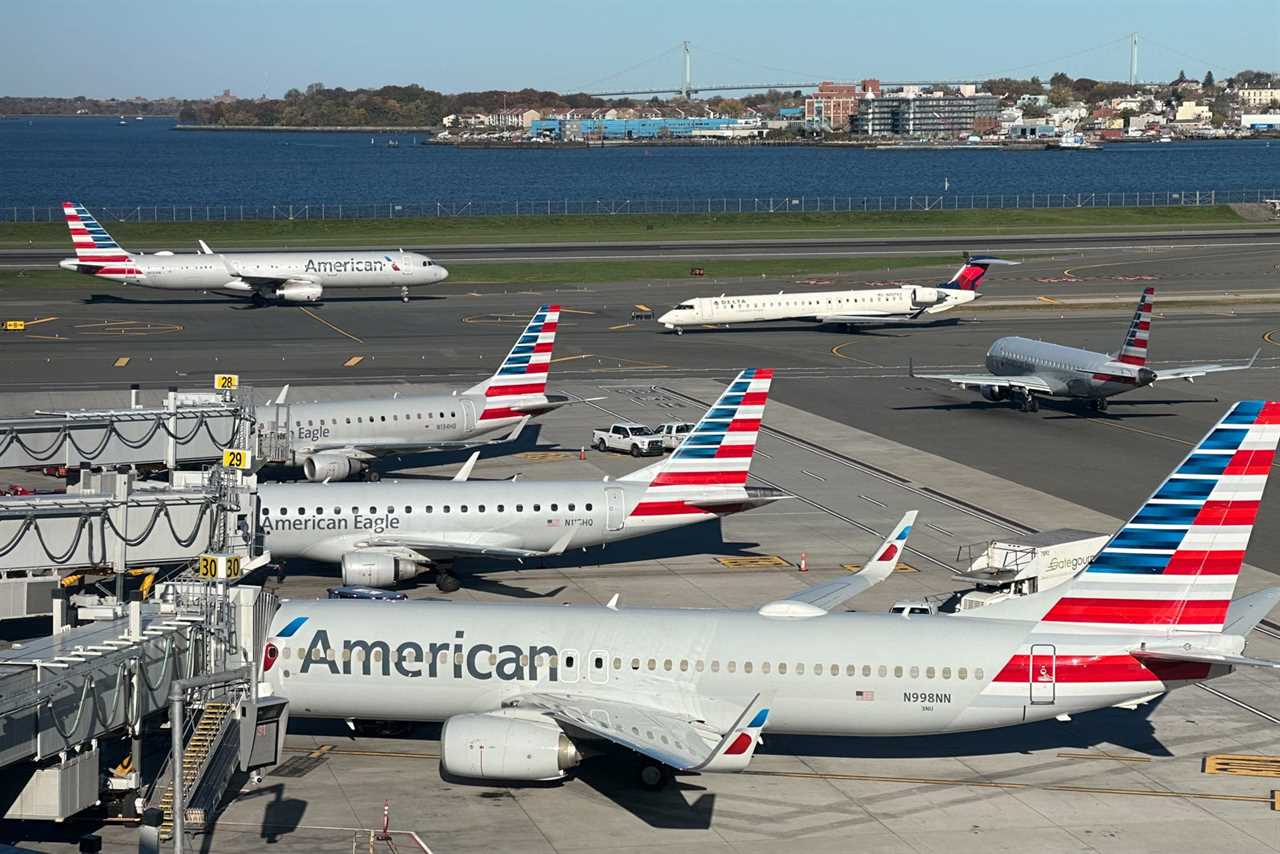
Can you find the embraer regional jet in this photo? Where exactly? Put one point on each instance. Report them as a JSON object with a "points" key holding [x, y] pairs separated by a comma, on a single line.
{"points": [[335, 440], [906, 302], [264, 276], [388, 532], [1021, 369], [525, 692]]}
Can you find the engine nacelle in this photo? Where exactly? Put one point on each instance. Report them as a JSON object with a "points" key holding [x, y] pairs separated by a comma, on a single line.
{"points": [[372, 569], [322, 467], [995, 393], [299, 292], [924, 297], [504, 747]]}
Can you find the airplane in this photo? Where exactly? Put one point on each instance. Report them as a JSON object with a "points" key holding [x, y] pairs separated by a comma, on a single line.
{"points": [[1023, 369], [286, 277], [906, 302], [384, 533], [525, 692], [339, 439]]}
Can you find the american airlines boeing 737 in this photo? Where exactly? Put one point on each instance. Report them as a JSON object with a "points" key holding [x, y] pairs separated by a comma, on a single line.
{"points": [[1022, 369], [906, 302], [388, 532], [264, 276], [526, 691], [335, 440]]}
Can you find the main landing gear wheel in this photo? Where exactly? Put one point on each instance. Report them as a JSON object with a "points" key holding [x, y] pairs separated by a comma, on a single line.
{"points": [[371, 476], [404, 294], [259, 301], [1099, 405], [1030, 404], [447, 583], [653, 776]]}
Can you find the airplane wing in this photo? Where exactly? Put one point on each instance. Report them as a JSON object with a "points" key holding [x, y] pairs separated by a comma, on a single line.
{"points": [[675, 740], [1190, 372], [443, 548], [822, 598], [1029, 382], [871, 317]]}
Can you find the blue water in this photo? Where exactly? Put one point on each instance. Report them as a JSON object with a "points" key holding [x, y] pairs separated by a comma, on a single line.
{"points": [[46, 160]]}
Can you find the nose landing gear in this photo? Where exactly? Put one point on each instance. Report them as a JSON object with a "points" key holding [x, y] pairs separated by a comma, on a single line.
{"points": [[404, 293]]}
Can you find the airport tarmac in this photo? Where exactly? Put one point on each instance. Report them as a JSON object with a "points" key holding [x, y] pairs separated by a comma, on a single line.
{"points": [[858, 442], [1108, 781]]}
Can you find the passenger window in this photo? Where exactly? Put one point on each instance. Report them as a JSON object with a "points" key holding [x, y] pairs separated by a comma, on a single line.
{"points": [[500, 508], [946, 673], [897, 671], [851, 670], [428, 508], [635, 664], [519, 508], [930, 672], [653, 665], [746, 667], [319, 511], [537, 507], [480, 508], [962, 673], [782, 668], [348, 420], [799, 668], [444, 509], [284, 511], [817, 670], [462, 508], [617, 664], [684, 665], [373, 511], [882, 671], [715, 665], [408, 509], [666, 664], [390, 509], [588, 506], [697, 665], [571, 507], [732, 666], [555, 507], [302, 511], [915, 672], [835, 670]]}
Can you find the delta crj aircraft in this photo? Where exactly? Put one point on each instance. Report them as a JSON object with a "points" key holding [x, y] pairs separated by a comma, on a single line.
{"points": [[264, 276], [525, 692], [1021, 369], [389, 532], [335, 440], [883, 305]]}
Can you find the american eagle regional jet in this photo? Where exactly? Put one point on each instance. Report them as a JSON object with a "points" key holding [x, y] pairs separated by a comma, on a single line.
{"points": [[392, 531], [526, 691], [264, 276], [883, 305], [1023, 369]]}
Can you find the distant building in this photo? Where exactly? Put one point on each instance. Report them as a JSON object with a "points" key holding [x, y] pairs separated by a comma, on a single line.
{"points": [[926, 115], [1260, 121], [1143, 121], [832, 105], [1254, 98], [226, 97], [1037, 130], [653, 128], [1190, 112], [1030, 100], [512, 119]]}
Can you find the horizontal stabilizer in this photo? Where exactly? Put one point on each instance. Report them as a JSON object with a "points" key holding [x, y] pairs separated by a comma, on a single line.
{"points": [[1246, 612]]}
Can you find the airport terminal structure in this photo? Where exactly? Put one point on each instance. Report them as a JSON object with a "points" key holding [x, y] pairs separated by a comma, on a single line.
{"points": [[325, 563]]}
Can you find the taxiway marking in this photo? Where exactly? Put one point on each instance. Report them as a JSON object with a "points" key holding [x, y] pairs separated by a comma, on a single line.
{"points": [[120, 362], [353, 361], [336, 329]]}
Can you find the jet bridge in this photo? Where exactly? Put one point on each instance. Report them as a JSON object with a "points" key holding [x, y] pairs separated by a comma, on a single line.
{"points": [[189, 428], [112, 521]]}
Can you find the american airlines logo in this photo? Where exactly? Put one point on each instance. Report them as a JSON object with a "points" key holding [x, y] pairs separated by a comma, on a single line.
{"points": [[433, 660], [355, 522], [351, 265]]}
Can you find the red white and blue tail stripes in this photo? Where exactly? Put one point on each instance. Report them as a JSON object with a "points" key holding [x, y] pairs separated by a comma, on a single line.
{"points": [[96, 251], [1173, 566], [1134, 351], [713, 460], [521, 380]]}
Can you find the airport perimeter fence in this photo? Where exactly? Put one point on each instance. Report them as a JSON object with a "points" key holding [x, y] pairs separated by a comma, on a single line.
{"points": [[710, 206]]}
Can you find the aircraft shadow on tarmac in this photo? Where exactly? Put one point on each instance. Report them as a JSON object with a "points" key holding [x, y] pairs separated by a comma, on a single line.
{"points": [[872, 329], [240, 303], [1064, 409]]}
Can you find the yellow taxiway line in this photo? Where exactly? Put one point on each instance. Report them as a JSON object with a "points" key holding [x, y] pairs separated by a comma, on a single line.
{"points": [[120, 362], [353, 361], [336, 329]]}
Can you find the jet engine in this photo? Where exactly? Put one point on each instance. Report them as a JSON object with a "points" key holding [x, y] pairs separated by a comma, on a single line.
{"points": [[373, 569], [925, 297], [505, 747], [995, 393], [298, 292], [322, 467]]}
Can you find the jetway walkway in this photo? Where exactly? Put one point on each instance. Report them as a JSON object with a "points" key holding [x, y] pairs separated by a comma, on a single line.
{"points": [[112, 521], [190, 427]]}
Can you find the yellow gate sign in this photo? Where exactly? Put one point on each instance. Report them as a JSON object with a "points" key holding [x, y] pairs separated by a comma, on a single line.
{"points": [[15, 325], [226, 382], [237, 458], [221, 567]]}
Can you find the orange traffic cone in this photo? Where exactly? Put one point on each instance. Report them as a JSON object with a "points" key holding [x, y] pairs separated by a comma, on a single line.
{"points": [[804, 562]]}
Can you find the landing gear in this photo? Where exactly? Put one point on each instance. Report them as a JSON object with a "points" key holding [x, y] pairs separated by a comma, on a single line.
{"points": [[446, 582], [259, 301], [404, 293], [1029, 403], [371, 476], [1099, 405], [654, 776]]}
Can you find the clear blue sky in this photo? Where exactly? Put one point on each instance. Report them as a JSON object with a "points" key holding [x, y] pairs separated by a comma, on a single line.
{"points": [[171, 47]]}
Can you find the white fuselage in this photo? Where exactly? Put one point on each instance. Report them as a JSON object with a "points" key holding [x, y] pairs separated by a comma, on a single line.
{"points": [[838, 674], [832, 306]]}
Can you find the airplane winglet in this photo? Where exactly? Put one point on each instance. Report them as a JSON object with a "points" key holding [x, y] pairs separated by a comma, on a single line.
{"points": [[284, 392], [515, 433], [613, 602], [465, 471], [739, 743], [558, 547], [204, 248]]}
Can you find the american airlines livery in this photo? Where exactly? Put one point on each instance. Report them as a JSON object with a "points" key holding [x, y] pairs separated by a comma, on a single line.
{"points": [[264, 276], [1021, 369], [392, 531], [906, 302], [335, 440], [525, 691]]}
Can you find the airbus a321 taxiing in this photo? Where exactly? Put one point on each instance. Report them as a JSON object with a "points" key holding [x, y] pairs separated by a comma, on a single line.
{"points": [[525, 694], [335, 440], [264, 276], [1022, 369], [883, 305], [389, 532]]}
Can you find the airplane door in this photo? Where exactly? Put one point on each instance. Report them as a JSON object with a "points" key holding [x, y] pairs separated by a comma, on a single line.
{"points": [[598, 666], [406, 264], [468, 415], [1043, 674], [613, 509]]}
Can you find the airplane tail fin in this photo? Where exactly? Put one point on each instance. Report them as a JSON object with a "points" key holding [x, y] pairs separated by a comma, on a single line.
{"points": [[521, 380], [1174, 565], [95, 249], [969, 276], [707, 473], [1134, 351]]}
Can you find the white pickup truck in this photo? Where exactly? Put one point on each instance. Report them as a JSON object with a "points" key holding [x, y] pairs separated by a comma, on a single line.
{"points": [[673, 433], [635, 439]]}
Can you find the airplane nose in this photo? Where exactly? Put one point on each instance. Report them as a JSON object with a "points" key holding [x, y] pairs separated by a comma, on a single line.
{"points": [[665, 317], [441, 273]]}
